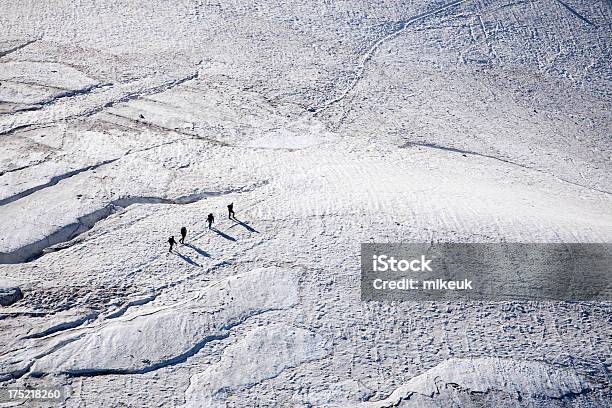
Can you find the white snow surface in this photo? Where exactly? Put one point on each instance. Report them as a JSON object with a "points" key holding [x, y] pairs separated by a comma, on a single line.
{"points": [[263, 354], [327, 124], [528, 379], [174, 333]]}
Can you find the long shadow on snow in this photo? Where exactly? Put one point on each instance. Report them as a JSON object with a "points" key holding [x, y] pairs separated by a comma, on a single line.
{"points": [[200, 251], [244, 224], [223, 234], [187, 259]]}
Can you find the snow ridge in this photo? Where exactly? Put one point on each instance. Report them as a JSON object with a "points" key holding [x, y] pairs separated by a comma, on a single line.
{"points": [[179, 332], [86, 222], [486, 375], [488, 156]]}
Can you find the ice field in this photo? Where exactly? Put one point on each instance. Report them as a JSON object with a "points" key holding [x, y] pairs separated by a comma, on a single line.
{"points": [[327, 124]]}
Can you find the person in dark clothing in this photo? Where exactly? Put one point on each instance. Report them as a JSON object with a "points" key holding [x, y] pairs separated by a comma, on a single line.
{"points": [[230, 211], [183, 235], [210, 219], [172, 242]]}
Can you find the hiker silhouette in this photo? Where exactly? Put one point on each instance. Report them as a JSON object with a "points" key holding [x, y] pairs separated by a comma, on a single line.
{"points": [[230, 211], [172, 242], [183, 235], [210, 220]]}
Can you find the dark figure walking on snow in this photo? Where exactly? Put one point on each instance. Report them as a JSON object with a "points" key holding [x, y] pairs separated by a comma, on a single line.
{"points": [[210, 219], [172, 243], [183, 235], [230, 211]]}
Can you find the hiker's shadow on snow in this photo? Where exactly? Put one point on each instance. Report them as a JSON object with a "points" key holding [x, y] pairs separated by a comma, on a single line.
{"points": [[244, 224], [200, 251], [187, 259], [223, 234]]}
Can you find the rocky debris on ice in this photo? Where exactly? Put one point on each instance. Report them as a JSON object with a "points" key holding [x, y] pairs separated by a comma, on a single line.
{"points": [[262, 354]]}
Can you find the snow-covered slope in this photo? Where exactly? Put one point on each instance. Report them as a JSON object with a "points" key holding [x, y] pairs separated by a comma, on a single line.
{"points": [[327, 124], [453, 381]]}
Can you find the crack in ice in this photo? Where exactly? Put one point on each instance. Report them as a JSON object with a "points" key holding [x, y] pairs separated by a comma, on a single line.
{"points": [[86, 222], [17, 48]]}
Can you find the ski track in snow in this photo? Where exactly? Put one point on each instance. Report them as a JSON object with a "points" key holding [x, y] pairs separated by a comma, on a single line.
{"points": [[370, 53]]}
